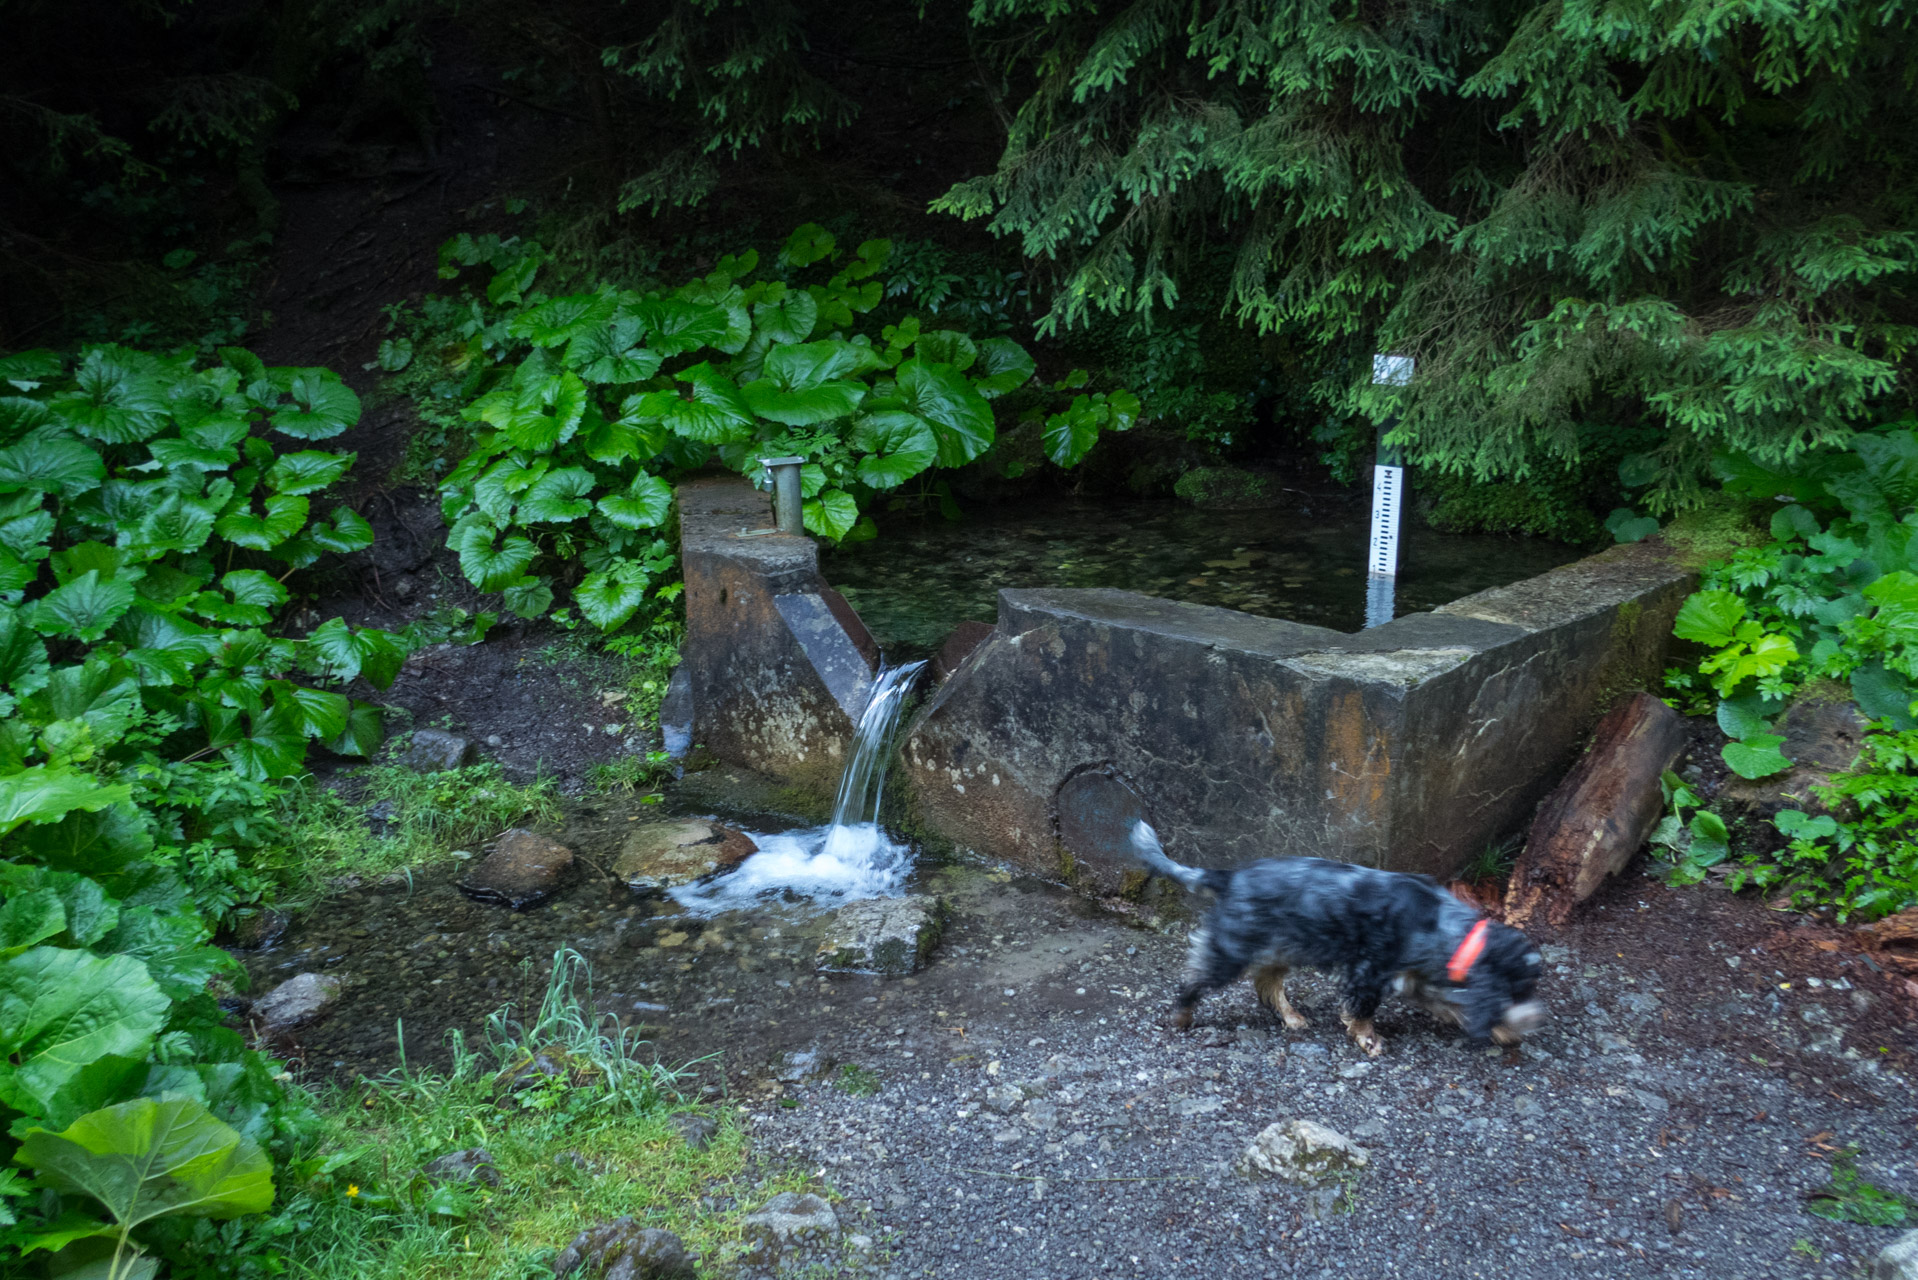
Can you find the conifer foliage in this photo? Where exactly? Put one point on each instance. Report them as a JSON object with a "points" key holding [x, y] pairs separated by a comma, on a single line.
{"points": [[1578, 214]]}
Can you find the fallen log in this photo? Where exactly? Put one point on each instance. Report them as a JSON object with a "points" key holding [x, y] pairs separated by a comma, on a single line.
{"points": [[1600, 815]]}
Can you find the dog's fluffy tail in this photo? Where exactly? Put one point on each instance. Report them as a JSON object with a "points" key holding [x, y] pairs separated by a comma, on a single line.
{"points": [[1145, 842]]}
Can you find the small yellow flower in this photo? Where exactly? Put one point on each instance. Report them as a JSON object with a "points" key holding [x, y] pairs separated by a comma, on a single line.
{"points": [[352, 1189]]}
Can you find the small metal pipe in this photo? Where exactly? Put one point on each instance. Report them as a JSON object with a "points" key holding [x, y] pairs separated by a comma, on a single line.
{"points": [[789, 511]]}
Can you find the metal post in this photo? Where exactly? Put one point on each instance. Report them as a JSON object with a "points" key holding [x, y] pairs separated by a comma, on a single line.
{"points": [[789, 511], [1388, 496]]}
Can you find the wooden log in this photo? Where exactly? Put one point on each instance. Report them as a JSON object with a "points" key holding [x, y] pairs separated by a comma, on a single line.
{"points": [[1600, 815]]}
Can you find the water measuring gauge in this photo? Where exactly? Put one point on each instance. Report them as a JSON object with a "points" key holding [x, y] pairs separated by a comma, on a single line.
{"points": [[1388, 500], [789, 511]]}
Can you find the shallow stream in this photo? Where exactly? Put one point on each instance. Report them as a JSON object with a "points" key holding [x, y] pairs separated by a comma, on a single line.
{"points": [[922, 577]]}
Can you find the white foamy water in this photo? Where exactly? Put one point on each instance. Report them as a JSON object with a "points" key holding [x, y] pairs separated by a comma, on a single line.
{"points": [[849, 858]]}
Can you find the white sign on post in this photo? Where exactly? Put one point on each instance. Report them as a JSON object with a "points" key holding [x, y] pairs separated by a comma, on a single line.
{"points": [[1388, 494]]}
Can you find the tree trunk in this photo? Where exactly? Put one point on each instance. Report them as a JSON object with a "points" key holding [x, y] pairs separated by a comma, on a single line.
{"points": [[1590, 827]]}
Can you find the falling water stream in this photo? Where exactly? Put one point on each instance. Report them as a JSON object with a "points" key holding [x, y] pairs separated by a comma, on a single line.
{"points": [[850, 857]]}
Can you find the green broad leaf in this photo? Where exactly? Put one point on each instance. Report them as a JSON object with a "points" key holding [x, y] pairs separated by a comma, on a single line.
{"points": [[30, 918], [42, 793], [1709, 617], [281, 516], [610, 354], [626, 440], [798, 366], [175, 453], [252, 587], [645, 504], [809, 244], [62, 1009], [101, 691], [1749, 715], [528, 598], [496, 492], [871, 259], [28, 369], [806, 407], [16, 574], [959, 416], [346, 532], [51, 464], [1757, 756], [320, 714], [1796, 824], [948, 346], [557, 321], [323, 406], [607, 598], [1883, 694], [488, 566], [1122, 410], [83, 609], [675, 326], [20, 416], [23, 657], [1793, 521], [395, 354], [274, 746], [1070, 435], [558, 497], [345, 653], [1626, 525], [114, 399], [791, 320], [27, 535], [831, 514], [148, 1158], [546, 414], [363, 733], [1003, 366], [1891, 460], [89, 843], [307, 471], [72, 1227], [172, 947], [717, 413], [897, 446], [178, 522]]}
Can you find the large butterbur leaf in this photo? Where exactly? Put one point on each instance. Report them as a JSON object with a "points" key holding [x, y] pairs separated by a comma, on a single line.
{"points": [[1709, 617], [150, 1158], [274, 745], [896, 446], [558, 496], [322, 406], [806, 406], [831, 514], [608, 598], [343, 652], [557, 321], [23, 656], [675, 326], [610, 353], [83, 609], [959, 416], [115, 399], [717, 413], [307, 471], [51, 464], [61, 1009], [487, 565], [645, 504], [546, 413], [281, 515], [1003, 366]]}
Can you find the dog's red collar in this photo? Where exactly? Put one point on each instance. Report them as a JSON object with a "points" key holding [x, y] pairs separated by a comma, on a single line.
{"points": [[1468, 952]]}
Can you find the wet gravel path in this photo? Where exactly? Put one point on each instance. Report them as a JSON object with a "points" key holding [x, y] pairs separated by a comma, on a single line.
{"points": [[1032, 1120]]}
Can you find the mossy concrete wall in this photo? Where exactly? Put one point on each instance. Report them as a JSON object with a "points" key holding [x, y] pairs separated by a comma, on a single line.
{"points": [[1408, 746]]}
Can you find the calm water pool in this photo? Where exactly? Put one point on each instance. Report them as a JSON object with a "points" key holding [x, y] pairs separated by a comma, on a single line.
{"points": [[922, 577]]}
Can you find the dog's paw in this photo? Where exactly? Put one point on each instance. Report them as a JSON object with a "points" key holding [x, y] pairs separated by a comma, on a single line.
{"points": [[1181, 1020], [1294, 1020], [1371, 1042]]}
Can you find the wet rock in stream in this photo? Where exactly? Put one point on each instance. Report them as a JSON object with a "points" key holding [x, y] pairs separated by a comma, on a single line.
{"points": [[524, 868], [890, 936], [298, 1000], [255, 928], [657, 857]]}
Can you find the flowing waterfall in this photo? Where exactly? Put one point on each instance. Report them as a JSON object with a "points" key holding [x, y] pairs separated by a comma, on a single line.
{"points": [[851, 857]]}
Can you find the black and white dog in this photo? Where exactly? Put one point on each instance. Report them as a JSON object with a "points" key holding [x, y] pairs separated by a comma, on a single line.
{"points": [[1380, 928]]}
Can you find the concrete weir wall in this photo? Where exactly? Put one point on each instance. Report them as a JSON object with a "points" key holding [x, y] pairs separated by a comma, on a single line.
{"points": [[1408, 746]]}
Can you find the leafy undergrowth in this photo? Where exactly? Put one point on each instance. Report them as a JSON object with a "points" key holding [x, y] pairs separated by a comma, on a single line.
{"points": [[579, 1122], [403, 818]]}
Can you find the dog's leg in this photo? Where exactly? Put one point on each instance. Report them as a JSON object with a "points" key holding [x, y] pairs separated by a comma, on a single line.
{"points": [[1363, 991], [1206, 970], [1269, 982]]}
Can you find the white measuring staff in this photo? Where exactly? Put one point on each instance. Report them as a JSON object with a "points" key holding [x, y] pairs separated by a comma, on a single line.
{"points": [[1388, 497]]}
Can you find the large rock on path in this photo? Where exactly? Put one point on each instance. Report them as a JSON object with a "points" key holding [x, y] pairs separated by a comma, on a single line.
{"points": [[889, 936], [524, 868], [623, 1250], [1304, 1152], [1598, 818], [435, 751], [297, 1001], [790, 1218], [1898, 1260], [659, 856]]}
